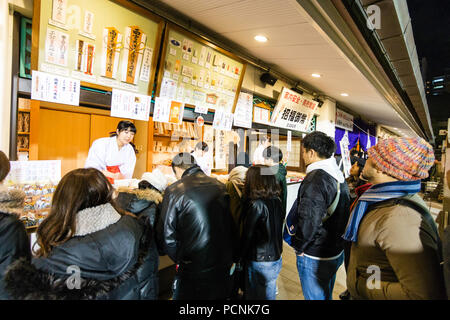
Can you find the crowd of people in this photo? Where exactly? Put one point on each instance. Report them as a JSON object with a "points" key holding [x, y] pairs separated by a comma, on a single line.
{"points": [[227, 239]]}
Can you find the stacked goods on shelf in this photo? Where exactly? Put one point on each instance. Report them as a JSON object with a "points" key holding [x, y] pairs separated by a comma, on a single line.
{"points": [[38, 198], [23, 125], [186, 129], [170, 139]]}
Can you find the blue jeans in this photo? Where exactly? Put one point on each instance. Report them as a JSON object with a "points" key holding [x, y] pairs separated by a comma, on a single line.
{"points": [[261, 279], [317, 277]]}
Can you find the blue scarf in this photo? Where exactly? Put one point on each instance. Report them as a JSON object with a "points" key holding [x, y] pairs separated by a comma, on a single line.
{"points": [[377, 193]]}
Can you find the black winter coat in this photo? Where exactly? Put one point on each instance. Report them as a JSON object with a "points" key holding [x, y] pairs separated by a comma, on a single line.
{"points": [[316, 194], [14, 242], [110, 252], [144, 204], [196, 228], [262, 231]]}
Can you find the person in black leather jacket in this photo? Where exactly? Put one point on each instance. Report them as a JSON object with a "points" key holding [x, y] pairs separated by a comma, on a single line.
{"points": [[196, 230], [317, 242], [261, 240], [87, 249], [14, 242]]}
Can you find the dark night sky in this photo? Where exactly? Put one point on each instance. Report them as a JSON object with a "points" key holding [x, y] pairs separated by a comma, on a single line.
{"points": [[431, 27]]}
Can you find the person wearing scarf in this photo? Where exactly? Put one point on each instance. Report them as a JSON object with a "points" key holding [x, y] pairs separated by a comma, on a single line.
{"points": [[317, 241], [395, 252]]}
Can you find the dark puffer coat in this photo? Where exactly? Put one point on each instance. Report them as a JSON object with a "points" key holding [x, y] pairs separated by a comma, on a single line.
{"points": [[315, 195], [107, 259], [14, 242]]}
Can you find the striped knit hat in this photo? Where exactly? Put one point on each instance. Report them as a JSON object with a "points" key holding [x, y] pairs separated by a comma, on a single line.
{"points": [[403, 158]]}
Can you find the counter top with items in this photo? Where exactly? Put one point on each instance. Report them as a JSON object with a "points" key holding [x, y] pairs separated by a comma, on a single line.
{"points": [[294, 177], [37, 203]]}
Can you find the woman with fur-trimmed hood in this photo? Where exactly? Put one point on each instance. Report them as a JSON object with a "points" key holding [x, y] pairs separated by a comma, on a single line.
{"points": [[14, 243], [88, 248], [144, 204], [144, 201]]}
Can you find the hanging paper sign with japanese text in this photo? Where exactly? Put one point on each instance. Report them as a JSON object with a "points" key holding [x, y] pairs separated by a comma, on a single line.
{"points": [[130, 105], [101, 42], [204, 70], [161, 111], [223, 120], [37, 171], [53, 88], [344, 120], [244, 111], [293, 111], [289, 141], [176, 112]]}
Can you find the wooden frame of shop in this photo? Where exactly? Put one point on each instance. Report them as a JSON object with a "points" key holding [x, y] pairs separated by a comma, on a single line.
{"points": [[65, 132]]}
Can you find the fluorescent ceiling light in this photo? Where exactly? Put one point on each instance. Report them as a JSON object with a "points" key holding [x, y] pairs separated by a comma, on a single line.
{"points": [[260, 38], [316, 75], [344, 94]]}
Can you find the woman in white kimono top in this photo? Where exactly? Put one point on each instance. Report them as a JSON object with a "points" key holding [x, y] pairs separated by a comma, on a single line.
{"points": [[114, 156]]}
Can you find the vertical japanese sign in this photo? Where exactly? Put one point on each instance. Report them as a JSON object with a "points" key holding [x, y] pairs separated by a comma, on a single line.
{"points": [[161, 112], [293, 111], [289, 141], [244, 111]]}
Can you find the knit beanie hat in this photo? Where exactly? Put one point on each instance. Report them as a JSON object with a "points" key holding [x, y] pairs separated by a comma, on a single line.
{"points": [[403, 158], [156, 178]]}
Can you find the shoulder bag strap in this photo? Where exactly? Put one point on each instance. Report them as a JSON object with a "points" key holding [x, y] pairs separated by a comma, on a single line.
{"points": [[334, 204]]}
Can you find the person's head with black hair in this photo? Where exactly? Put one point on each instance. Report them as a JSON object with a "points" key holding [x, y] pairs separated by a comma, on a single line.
{"points": [[181, 162], [125, 132], [201, 148], [317, 146], [272, 155], [259, 185], [357, 167]]}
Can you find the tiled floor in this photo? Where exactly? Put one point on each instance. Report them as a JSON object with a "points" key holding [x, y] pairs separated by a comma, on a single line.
{"points": [[289, 287]]}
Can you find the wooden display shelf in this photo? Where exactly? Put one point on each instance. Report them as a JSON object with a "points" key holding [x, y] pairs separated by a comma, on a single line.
{"points": [[24, 110], [23, 133], [24, 149]]}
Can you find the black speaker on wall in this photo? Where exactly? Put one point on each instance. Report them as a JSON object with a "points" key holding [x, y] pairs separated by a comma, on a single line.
{"points": [[267, 78], [319, 101], [299, 91]]}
